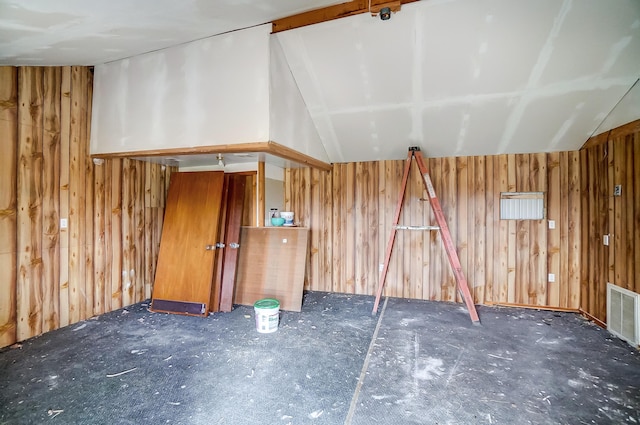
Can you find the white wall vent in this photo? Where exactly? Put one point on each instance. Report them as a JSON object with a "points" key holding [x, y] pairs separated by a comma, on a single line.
{"points": [[521, 205], [623, 314]]}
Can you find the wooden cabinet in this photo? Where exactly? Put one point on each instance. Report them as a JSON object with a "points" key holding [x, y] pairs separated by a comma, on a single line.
{"points": [[272, 265]]}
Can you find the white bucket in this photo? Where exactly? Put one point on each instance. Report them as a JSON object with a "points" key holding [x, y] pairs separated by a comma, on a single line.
{"points": [[267, 315], [288, 217]]}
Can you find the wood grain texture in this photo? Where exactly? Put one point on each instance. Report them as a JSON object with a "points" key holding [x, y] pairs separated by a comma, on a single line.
{"points": [[51, 199], [185, 265], [506, 261], [268, 267], [29, 202], [609, 159], [47, 173], [232, 224], [8, 203], [65, 117], [328, 13]]}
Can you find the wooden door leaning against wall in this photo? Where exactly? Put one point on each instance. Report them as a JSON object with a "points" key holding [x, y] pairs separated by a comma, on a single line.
{"points": [[187, 247]]}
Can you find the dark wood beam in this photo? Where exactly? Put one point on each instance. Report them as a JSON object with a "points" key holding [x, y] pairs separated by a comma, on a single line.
{"points": [[337, 11]]}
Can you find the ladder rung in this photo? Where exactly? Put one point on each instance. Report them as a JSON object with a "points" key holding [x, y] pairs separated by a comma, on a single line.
{"points": [[418, 227]]}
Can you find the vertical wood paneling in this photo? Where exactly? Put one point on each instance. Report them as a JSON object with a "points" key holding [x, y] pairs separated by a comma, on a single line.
{"points": [[502, 271], [53, 276], [449, 202], [554, 212], [8, 200], [51, 199], [480, 226], [538, 231], [512, 236], [490, 229], [99, 240], [29, 213], [88, 198], [607, 160], [335, 285], [65, 117], [506, 261], [432, 270], [116, 233], [573, 220]]}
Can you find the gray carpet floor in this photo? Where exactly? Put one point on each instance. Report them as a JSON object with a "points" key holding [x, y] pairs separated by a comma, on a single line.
{"points": [[416, 362]]}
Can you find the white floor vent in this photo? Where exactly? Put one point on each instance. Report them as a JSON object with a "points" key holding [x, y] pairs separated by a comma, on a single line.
{"points": [[623, 314]]}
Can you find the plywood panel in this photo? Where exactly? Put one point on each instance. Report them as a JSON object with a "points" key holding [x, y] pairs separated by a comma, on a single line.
{"points": [[65, 118], [29, 203], [8, 203], [116, 234], [573, 221], [537, 293], [51, 199], [554, 211], [271, 265], [502, 271]]}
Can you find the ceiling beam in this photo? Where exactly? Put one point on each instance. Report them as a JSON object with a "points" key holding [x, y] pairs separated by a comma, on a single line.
{"points": [[337, 11]]}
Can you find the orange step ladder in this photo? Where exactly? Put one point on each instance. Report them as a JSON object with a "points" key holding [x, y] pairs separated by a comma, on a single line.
{"points": [[463, 288]]}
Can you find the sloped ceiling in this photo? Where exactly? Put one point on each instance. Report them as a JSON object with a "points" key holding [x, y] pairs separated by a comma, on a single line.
{"points": [[455, 77], [466, 77], [91, 32]]}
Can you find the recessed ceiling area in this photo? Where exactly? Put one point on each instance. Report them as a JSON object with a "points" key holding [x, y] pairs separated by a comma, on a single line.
{"points": [[455, 77]]}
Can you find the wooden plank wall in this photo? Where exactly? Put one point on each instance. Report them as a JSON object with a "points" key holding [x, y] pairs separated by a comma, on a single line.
{"points": [[350, 209], [607, 160], [52, 277]]}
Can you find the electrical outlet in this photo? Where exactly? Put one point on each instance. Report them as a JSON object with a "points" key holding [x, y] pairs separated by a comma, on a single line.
{"points": [[605, 240], [617, 190], [64, 223], [381, 267], [552, 277], [552, 224], [284, 241]]}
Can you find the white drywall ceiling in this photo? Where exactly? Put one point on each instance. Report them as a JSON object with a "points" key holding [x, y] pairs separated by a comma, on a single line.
{"points": [[466, 77], [91, 32], [456, 77]]}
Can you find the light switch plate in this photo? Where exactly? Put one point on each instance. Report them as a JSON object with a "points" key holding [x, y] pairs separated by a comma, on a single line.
{"points": [[552, 224], [617, 190], [605, 240]]}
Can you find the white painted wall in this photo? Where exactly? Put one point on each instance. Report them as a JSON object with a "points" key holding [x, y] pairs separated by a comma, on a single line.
{"points": [[208, 92], [290, 122]]}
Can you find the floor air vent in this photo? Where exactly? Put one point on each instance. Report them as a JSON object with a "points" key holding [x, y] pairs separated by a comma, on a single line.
{"points": [[623, 314]]}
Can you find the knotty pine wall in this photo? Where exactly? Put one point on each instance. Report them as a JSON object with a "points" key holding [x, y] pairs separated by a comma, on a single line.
{"points": [[350, 210], [607, 160], [52, 277]]}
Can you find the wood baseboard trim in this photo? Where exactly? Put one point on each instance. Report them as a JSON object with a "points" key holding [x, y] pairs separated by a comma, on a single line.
{"points": [[533, 307], [593, 319]]}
